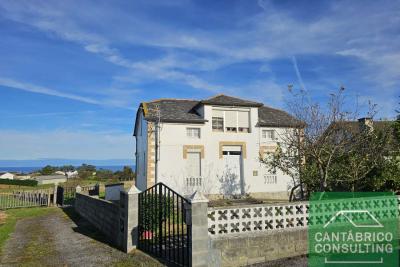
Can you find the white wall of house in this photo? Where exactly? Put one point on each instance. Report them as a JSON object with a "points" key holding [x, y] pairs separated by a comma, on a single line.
{"points": [[141, 153], [173, 169], [7, 175]]}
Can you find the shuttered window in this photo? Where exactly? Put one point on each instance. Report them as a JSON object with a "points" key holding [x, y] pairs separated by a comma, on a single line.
{"points": [[216, 113], [193, 164], [231, 118]]}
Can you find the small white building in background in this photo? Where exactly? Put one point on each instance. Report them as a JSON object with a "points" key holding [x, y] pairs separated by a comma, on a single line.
{"points": [[71, 174], [22, 177], [211, 145], [50, 179], [7, 175]]}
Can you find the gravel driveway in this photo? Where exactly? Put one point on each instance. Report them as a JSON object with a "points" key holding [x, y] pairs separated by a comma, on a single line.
{"points": [[62, 238]]}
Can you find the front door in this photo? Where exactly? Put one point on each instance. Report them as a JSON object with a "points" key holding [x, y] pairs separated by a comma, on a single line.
{"points": [[232, 176]]}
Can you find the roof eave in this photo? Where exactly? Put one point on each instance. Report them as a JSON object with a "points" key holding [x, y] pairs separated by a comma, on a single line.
{"points": [[256, 105], [176, 120]]}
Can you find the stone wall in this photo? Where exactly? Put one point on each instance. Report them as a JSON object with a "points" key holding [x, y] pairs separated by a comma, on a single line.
{"points": [[104, 215], [245, 249]]}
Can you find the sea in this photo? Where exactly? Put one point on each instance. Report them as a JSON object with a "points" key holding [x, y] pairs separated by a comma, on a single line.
{"points": [[112, 168]]}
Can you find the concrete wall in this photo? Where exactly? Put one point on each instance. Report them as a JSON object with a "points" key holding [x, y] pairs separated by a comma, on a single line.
{"points": [[172, 169], [52, 181], [245, 249], [104, 215]]}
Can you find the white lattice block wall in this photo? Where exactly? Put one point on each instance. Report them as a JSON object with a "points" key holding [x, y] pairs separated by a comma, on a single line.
{"points": [[254, 218]]}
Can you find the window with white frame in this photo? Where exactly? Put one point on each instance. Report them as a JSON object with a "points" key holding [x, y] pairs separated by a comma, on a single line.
{"points": [[244, 121], [231, 120], [193, 132], [268, 134], [218, 120]]}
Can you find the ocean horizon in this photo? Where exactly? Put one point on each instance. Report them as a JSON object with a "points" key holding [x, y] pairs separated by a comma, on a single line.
{"points": [[113, 168]]}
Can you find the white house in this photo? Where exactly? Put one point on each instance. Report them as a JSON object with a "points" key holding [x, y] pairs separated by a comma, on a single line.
{"points": [[71, 174], [6, 175], [212, 145]]}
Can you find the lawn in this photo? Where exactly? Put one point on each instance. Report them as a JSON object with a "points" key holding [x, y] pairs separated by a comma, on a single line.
{"points": [[5, 188], [68, 240], [9, 218]]}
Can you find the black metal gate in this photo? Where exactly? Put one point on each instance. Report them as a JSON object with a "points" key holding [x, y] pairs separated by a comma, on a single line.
{"points": [[163, 228], [60, 196], [66, 195]]}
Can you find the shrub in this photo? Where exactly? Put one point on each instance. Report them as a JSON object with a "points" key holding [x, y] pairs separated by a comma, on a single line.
{"points": [[19, 182]]}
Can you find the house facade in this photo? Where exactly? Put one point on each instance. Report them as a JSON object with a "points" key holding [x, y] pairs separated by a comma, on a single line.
{"points": [[7, 175], [211, 145]]}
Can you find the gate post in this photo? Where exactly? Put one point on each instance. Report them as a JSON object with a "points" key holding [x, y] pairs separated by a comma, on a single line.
{"points": [[129, 221], [199, 221], [55, 195]]}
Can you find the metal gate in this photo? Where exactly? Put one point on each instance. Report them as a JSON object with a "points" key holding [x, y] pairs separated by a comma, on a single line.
{"points": [[66, 195], [163, 228]]}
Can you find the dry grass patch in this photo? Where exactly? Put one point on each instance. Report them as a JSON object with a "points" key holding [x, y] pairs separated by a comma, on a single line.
{"points": [[3, 217]]}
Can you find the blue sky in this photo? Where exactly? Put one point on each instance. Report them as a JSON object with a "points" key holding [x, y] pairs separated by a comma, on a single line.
{"points": [[72, 73]]}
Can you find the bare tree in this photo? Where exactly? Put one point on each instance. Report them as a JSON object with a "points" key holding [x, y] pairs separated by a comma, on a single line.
{"points": [[307, 152]]}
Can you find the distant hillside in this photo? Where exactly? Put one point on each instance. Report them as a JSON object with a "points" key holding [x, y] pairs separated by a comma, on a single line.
{"points": [[60, 162]]}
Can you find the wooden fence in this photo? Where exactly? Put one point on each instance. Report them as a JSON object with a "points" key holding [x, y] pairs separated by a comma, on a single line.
{"points": [[21, 199]]}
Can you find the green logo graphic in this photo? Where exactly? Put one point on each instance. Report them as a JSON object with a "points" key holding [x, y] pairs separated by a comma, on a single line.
{"points": [[353, 229]]}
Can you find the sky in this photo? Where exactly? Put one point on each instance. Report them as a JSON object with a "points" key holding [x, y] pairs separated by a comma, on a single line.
{"points": [[72, 73]]}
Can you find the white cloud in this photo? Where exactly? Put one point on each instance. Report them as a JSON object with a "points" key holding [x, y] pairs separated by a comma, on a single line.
{"points": [[44, 90], [71, 144], [363, 29]]}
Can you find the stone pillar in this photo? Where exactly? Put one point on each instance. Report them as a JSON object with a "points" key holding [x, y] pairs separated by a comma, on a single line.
{"points": [[199, 221], [55, 195], [78, 189], [129, 212]]}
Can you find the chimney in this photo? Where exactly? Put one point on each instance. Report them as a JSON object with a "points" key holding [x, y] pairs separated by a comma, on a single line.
{"points": [[366, 123]]}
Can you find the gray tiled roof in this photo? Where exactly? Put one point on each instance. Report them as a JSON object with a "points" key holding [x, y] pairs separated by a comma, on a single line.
{"points": [[276, 118], [224, 100], [179, 110], [173, 110]]}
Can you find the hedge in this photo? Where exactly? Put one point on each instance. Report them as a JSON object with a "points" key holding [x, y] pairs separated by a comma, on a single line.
{"points": [[19, 182]]}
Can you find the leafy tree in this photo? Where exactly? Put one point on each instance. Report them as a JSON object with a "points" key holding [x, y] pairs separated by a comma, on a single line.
{"points": [[329, 153], [67, 168], [87, 167], [127, 174], [86, 171], [103, 174], [48, 170], [313, 145]]}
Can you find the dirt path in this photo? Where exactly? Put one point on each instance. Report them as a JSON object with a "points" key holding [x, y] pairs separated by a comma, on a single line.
{"points": [[64, 239]]}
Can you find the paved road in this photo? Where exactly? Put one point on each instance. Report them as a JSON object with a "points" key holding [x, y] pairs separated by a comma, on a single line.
{"points": [[63, 239]]}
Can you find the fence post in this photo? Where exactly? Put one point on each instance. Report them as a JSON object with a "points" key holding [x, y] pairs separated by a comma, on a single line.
{"points": [[78, 189], [199, 221], [97, 189], [129, 212], [48, 191], [55, 195]]}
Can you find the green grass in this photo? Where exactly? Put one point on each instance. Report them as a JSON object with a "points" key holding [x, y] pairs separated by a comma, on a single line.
{"points": [[137, 258], [13, 215], [10, 188]]}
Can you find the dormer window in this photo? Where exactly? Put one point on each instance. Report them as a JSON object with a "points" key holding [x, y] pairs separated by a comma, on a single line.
{"points": [[218, 120], [232, 121]]}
